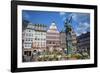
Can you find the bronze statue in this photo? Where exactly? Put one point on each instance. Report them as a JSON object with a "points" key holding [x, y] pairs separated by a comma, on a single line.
{"points": [[68, 30]]}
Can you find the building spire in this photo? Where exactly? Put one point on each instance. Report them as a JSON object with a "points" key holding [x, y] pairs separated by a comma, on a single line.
{"points": [[53, 27]]}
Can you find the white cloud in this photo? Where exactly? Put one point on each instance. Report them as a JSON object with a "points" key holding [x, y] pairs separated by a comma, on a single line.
{"points": [[74, 16], [82, 20], [62, 13], [80, 17], [82, 28]]}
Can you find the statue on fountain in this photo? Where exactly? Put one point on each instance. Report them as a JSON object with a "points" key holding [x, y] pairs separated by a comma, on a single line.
{"points": [[69, 38]]}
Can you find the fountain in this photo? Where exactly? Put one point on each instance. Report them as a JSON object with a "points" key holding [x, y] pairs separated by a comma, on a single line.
{"points": [[69, 39]]}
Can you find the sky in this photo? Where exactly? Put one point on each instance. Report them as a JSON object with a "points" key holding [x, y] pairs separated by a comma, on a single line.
{"points": [[80, 21]]}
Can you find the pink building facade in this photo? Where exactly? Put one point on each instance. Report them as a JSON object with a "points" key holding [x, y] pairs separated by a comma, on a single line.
{"points": [[53, 37]]}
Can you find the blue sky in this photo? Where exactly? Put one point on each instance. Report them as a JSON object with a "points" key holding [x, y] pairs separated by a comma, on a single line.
{"points": [[80, 21]]}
